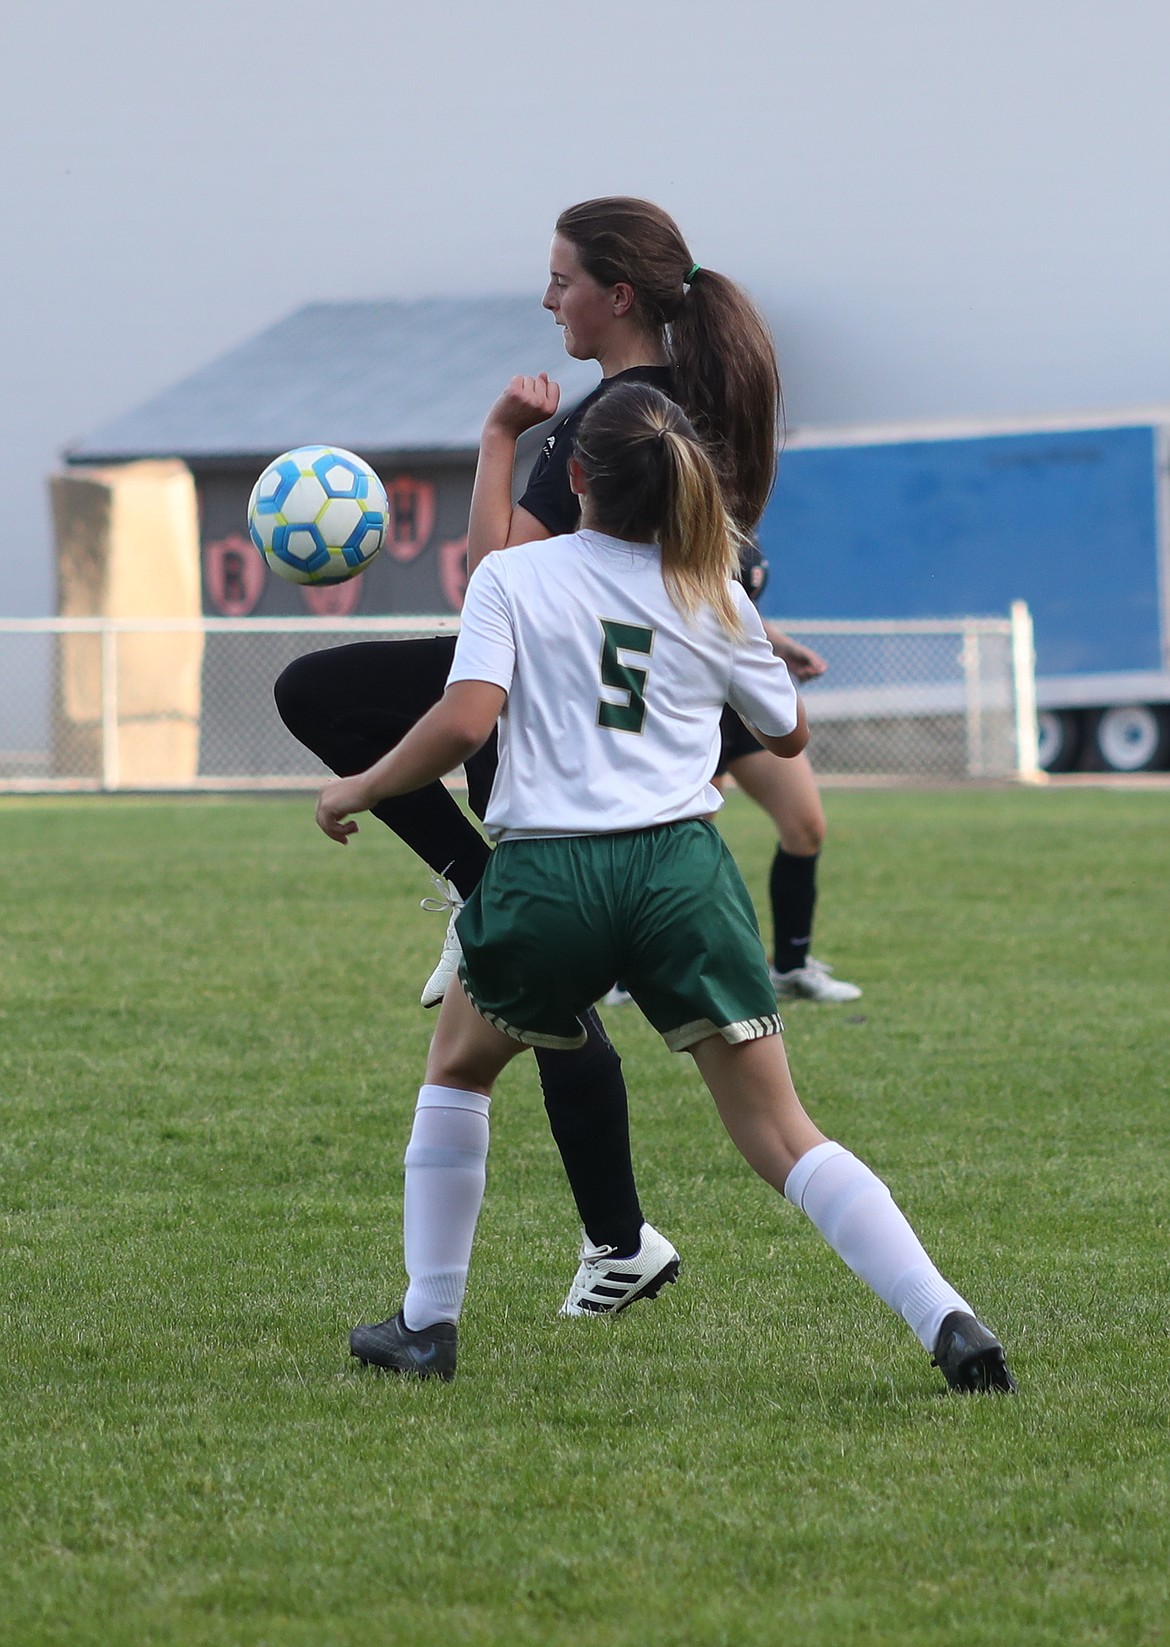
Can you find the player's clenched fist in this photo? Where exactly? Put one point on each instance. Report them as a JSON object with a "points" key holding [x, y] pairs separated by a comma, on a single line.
{"points": [[526, 402]]}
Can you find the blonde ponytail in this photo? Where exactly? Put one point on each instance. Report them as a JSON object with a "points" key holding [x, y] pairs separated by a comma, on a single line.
{"points": [[650, 480], [699, 547]]}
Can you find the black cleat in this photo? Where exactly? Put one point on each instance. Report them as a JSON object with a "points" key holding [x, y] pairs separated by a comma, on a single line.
{"points": [[429, 1353], [970, 1357]]}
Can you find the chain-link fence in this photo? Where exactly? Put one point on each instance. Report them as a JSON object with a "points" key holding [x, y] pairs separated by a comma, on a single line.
{"points": [[123, 704], [924, 699]]}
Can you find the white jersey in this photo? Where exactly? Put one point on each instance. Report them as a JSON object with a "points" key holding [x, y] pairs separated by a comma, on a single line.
{"points": [[614, 697]]}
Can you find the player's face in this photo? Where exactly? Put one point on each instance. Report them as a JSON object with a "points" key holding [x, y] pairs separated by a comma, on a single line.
{"points": [[577, 302]]}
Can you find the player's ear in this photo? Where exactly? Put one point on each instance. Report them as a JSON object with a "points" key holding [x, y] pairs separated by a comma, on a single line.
{"points": [[577, 478], [622, 294]]}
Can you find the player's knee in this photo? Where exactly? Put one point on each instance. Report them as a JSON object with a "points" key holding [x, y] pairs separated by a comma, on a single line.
{"points": [[803, 837], [294, 693], [454, 1060], [449, 1071]]}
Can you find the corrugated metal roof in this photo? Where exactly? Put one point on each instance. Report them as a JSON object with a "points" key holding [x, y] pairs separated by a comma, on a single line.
{"points": [[380, 377]]}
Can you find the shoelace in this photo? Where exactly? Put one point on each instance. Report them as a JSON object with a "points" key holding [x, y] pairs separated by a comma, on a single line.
{"points": [[448, 899]]}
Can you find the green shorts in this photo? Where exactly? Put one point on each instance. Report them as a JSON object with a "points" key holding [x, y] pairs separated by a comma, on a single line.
{"points": [[555, 922]]}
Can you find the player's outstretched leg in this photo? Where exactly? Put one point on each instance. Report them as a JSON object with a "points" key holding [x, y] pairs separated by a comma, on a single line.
{"points": [[857, 1215], [445, 1173], [850, 1206], [446, 1163]]}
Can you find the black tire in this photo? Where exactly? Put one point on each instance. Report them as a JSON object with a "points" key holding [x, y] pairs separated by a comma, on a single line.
{"points": [[1132, 738], [1062, 734]]}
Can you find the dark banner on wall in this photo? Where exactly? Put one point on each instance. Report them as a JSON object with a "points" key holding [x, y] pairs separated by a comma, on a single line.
{"points": [[422, 566], [421, 569]]}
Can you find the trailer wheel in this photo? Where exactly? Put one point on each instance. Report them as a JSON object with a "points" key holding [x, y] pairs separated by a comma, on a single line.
{"points": [[1134, 738], [1060, 736]]}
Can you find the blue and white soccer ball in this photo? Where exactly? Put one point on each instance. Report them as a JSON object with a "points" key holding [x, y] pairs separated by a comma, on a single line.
{"points": [[318, 515]]}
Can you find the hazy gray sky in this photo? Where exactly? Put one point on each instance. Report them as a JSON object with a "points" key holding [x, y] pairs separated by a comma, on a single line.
{"points": [[947, 209]]}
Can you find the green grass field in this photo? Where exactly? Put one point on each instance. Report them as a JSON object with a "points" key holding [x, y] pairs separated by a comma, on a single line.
{"points": [[209, 1053]]}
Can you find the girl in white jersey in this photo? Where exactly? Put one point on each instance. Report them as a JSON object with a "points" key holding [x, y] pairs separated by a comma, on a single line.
{"points": [[607, 656]]}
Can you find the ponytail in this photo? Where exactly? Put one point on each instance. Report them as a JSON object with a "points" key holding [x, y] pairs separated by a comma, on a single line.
{"points": [[718, 343], [727, 380], [650, 479]]}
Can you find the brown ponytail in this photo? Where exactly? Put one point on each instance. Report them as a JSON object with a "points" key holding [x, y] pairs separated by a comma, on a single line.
{"points": [[650, 479], [719, 345]]}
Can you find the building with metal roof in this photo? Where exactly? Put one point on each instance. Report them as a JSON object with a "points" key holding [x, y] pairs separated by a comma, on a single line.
{"points": [[406, 384], [402, 378], [150, 515]]}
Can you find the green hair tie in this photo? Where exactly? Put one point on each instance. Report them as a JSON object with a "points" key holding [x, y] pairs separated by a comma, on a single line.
{"points": [[688, 279]]}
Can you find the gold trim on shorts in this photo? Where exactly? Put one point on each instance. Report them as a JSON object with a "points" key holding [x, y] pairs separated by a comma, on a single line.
{"points": [[701, 1029], [528, 1037]]}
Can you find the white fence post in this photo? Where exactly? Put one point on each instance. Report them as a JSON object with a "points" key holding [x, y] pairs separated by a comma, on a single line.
{"points": [[109, 645], [1024, 682]]}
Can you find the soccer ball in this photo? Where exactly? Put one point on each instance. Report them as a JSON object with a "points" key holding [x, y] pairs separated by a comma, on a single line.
{"points": [[318, 515]]}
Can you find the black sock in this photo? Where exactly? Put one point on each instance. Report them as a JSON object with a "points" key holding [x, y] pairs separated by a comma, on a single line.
{"points": [[792, 888], [585, 1098]]}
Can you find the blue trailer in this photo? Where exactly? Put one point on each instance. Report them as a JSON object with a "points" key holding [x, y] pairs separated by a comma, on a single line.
{"points": [[1070, 516]]}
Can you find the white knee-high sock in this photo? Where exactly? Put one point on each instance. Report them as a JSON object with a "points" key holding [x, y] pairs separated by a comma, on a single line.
{"points": [[860, 1220], [445, 1175]]}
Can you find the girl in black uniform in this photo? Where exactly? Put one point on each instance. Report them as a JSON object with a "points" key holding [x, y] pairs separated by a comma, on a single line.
{"points": [[627, 293]]}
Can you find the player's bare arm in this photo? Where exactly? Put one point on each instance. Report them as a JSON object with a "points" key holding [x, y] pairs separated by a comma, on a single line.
{"points": [[803, 663], [792, 743], [494, 523], [458, 725]]}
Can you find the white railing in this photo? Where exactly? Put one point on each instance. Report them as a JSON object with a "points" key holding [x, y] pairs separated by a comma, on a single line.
{"points": [[108, 704]]}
